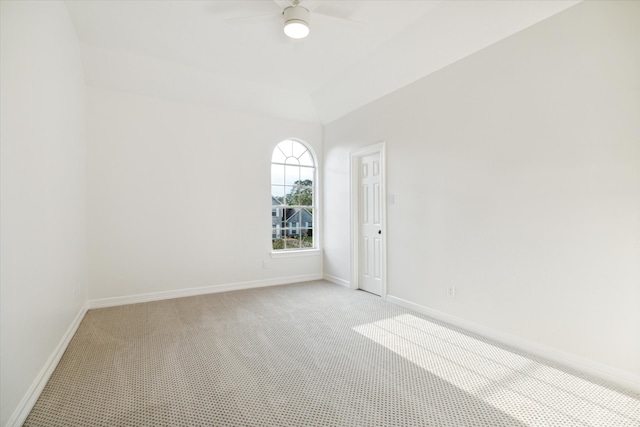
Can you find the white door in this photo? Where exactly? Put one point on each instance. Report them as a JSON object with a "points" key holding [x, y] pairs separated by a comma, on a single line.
{"points": [[370, 224]]}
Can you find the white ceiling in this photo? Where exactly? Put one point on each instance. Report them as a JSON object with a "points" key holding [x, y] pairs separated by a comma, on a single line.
{"points": [[212, 52]]}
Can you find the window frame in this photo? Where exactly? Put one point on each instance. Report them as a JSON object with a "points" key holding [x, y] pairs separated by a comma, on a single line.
{"points": [[315, 212]]}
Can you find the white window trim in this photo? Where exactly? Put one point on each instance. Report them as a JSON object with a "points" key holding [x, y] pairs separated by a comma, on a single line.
{"points": [[317, 214], [296, 253]]}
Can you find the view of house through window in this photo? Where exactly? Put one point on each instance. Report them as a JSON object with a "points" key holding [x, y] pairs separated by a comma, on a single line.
{"points": [[293, 171]]}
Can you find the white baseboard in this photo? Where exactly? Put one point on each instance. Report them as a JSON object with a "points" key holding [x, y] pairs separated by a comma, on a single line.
{"points": [[622, 378], [179, 293], [33, 393], [31, 396], [337, 281]]}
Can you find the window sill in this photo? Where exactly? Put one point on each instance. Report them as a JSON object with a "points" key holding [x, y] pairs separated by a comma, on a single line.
{"points": [[292, 254]]}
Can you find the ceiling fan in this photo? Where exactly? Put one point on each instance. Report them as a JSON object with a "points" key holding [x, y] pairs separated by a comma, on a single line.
{"points": [[296, 16], [296, 20]]}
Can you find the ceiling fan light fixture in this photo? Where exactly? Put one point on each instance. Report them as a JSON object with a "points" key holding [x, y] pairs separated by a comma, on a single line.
{"points": [[296, 29], [296, 22]]}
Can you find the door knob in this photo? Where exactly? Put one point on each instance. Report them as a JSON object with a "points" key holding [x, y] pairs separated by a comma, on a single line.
{"points": [[379, 231]]}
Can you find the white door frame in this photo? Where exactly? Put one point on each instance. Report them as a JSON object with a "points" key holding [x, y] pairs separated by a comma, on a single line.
{"points": [[355, 209]]}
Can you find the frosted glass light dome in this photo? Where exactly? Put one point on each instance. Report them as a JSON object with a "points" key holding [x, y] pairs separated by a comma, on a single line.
{"points": [[296, 22], [296, 29]]}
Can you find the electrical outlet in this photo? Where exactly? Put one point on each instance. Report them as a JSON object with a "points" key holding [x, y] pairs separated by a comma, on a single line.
{"points": [[264, 264], [451, 291]]}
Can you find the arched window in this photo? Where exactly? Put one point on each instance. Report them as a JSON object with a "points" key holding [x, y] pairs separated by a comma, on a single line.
{"points": [[293, 175]]}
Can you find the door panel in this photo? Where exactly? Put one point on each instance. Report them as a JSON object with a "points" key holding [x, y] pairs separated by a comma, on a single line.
{"points": [[370, 224]]}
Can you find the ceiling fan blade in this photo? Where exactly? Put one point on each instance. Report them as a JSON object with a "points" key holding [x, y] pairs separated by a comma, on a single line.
{"points": [[353, 23], [309, 4], [250, 19], [232, 9], [283, 4]]}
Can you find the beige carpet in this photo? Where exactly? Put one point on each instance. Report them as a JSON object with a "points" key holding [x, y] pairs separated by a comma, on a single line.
{"points": [[311, 354]]}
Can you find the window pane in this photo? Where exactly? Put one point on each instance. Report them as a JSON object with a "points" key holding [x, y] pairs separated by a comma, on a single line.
{"points": [[292, 241], [278, 244], [286, 147], [298, 149], [303, 196], [306, 159], [290, 195], [293, 233], [306, 238], [293, 218], [278, 156], [306, 218], [306, 174], [292, 174], [299, 196], [277, 174], [292, 161], [277, 193]]}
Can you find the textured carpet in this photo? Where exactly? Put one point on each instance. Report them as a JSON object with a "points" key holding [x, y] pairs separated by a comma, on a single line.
{"points": [[311, 354]]}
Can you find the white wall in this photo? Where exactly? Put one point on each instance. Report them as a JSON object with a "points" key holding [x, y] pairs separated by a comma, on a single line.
{"points": [[179, 195], [516, 176], [43, 237]]}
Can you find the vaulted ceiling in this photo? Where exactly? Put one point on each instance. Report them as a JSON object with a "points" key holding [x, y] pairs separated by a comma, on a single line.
{"points": [[234, 54]]}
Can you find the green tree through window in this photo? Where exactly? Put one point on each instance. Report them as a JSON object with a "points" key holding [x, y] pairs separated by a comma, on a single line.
{"points": [[301, 194]]}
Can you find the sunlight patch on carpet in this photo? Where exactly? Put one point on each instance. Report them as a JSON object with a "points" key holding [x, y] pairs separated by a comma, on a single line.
{"points": [[530, 391]]}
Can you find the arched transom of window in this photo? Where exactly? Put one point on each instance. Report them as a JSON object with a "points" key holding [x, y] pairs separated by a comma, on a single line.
{"points": [[293, 174]]}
